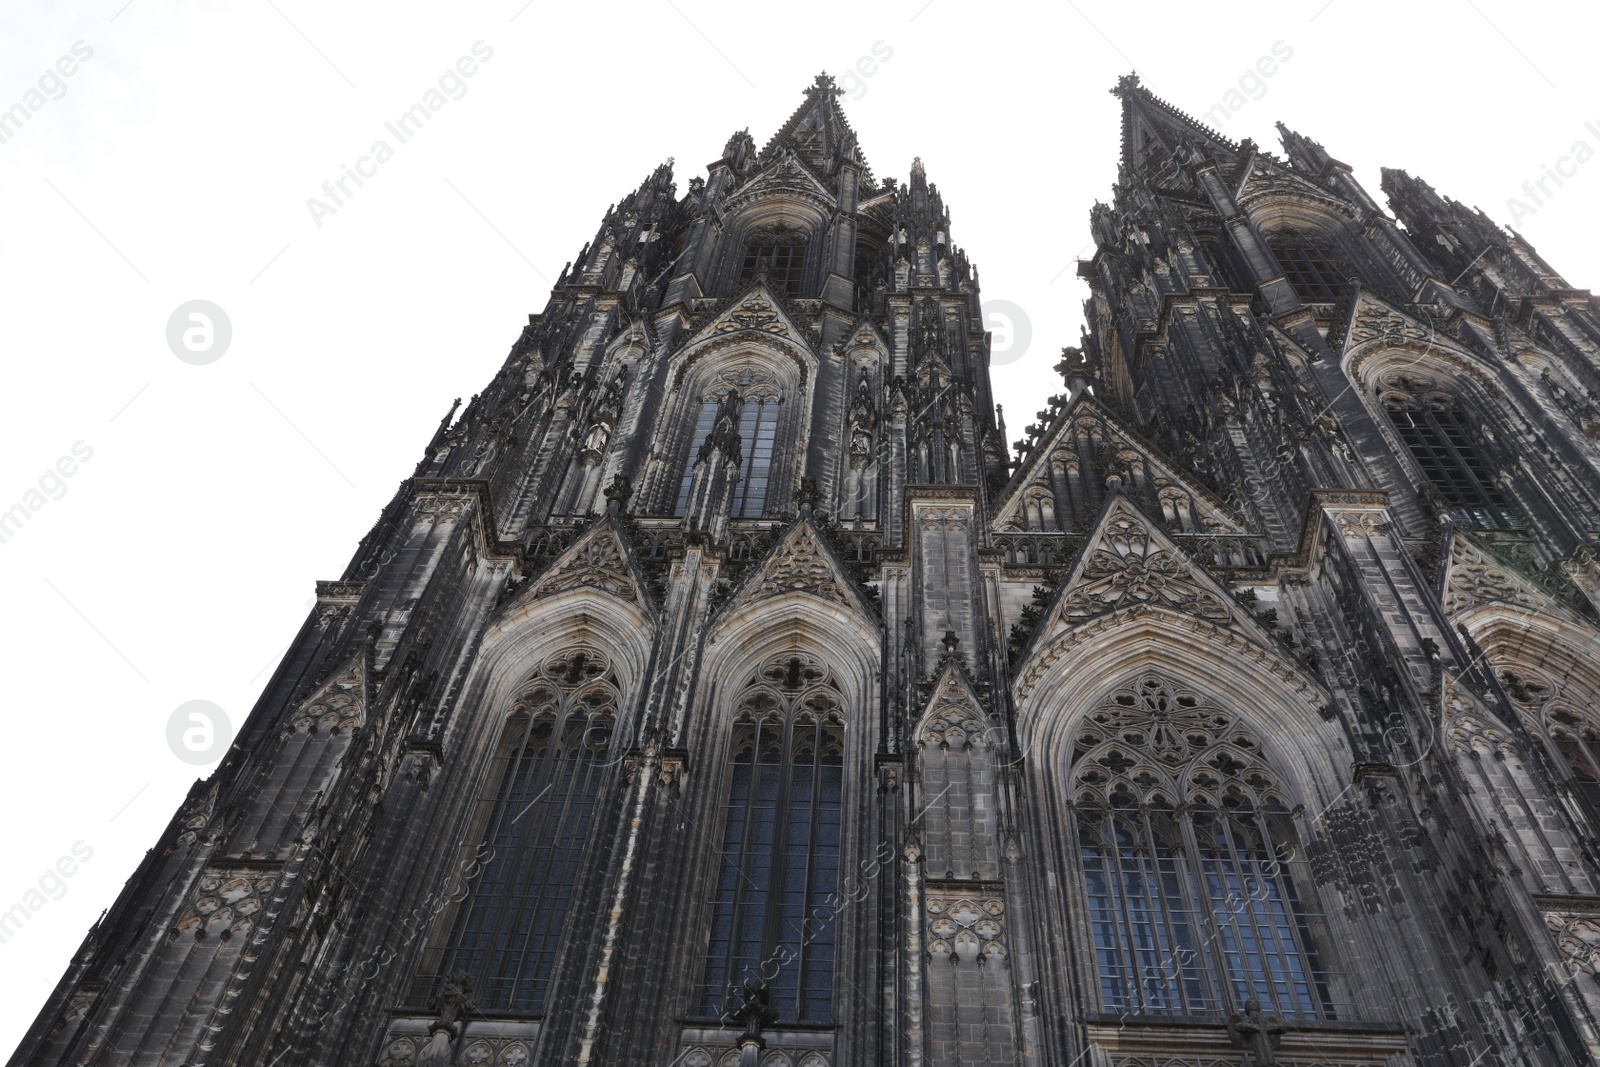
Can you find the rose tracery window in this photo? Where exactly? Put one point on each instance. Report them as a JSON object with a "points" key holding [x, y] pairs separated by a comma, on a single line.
{"points": [[1437, 434], [1187, 852], [772, 912], [537, 810]]}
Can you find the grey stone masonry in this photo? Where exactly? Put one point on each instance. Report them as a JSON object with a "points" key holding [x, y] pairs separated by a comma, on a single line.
{"points": [[721, 688]]}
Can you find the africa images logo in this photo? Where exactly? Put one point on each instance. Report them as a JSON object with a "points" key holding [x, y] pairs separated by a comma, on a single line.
{"points": [[402, 129]]}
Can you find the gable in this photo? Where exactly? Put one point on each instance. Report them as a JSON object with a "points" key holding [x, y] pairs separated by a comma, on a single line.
{"points": [[954, 716], [818, 128], [598, 561], [1086, 414], [800, 562], [863, 341], [1130, 567], [338, 704], [1375, 327], [786, 174], [1266, 177], [1152, 128], [751, 315], [1474, 577]]}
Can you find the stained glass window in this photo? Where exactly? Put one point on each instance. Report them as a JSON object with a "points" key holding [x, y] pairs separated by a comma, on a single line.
{"points": [[1309, 266]]}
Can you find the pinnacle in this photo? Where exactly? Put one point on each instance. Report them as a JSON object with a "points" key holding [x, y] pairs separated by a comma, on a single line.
{"points": [[1126, 85]]}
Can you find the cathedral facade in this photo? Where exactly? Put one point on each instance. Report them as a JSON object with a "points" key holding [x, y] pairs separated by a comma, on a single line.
{"points": [[721, 689]]}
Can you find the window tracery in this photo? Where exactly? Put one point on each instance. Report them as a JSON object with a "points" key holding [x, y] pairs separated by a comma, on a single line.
{"points": [[536, 811], [1570, 726], [1310, 266], [772, 910], [1437, 433], [739, 415], [1187, 852], [778, 253]]}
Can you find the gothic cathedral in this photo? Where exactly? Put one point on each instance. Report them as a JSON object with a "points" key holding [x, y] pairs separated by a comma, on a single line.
{"points": [[721, 690]]}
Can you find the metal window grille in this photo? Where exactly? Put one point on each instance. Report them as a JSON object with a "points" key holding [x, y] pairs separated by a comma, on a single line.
{"points": [[781, 261], [1441, 442]]}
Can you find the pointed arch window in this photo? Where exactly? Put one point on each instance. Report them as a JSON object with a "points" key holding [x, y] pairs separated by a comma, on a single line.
{"points": [[749, 401], [1576, 736], [1436, 432], [1310, 266], [778, 253], [536, 814], [758, 431], [1189, 861], [704, 423], [772, 911], [1570, 726]]}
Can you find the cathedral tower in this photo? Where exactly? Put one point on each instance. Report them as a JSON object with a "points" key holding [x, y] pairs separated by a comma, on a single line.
{"points": [[721, 690]]}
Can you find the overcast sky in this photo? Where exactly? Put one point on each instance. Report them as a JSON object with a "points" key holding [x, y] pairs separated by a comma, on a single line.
{"points": [[175, 161]]}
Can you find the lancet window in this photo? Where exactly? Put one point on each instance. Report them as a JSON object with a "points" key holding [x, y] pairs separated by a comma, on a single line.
{"points": [[1309, 266], [1569, 723], [1439, 437], [738, 417], [536, 812], [780, 255], [774, 901], [1190, 862]]}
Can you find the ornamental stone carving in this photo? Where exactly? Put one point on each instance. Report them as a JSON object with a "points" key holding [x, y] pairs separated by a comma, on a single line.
{"points": [[801, 564], [225, 902], [597, 563], [1476, 578], [965, 927], [753, 313], [1130, 566]]}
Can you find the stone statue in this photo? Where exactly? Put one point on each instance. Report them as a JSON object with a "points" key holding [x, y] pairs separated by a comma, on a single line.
{"points": [[453, 1003], [1258, 1035]]}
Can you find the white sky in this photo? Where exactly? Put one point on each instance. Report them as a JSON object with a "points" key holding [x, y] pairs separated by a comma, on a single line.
{"points": [[177, 164]]}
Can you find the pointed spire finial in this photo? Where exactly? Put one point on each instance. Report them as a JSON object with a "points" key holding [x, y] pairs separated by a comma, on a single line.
{"points": [[1126, 85], [824, 84]]}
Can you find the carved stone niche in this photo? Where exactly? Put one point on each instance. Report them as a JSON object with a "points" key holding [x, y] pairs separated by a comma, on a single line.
{"points": [[1147, 1041], [500, 1044]]}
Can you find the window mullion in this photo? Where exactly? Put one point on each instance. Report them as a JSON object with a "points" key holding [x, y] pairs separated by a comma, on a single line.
{"points": [[1199, 895], [499, 906], [802, 956], [1133, 989], [1235, 830], [773, 934]]}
